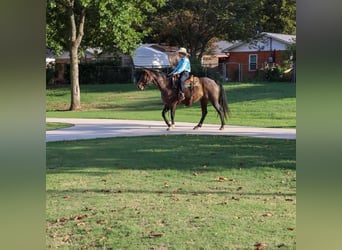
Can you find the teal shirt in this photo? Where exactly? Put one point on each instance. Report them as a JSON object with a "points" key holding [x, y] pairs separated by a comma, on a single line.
{"points": [[183, 64]]}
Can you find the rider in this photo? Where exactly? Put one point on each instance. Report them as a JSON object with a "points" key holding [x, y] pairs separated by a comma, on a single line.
{"points": [[183, 68]]}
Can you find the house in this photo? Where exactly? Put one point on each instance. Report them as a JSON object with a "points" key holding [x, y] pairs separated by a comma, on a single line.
{"points": [[246, 58], [216, 55]]}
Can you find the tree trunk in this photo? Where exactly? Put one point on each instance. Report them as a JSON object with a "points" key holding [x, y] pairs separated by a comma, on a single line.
{"points": [[76, 35], [75, 86]]}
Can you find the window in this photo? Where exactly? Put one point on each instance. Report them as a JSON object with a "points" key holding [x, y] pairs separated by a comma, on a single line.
{"points": [[252, 62]]}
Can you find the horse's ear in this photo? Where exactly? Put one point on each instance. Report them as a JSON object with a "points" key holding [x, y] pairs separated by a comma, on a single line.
{"points": [[147, 71]]}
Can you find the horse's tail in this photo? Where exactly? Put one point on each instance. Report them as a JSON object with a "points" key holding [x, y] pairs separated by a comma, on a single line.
{"points": [[223, 102]]}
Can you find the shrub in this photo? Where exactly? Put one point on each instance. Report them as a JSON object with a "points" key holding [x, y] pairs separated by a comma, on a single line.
{"points": [[276, 73]]}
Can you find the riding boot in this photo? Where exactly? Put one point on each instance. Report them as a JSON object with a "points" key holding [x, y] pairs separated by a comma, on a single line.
{"points": [[181, 96]]}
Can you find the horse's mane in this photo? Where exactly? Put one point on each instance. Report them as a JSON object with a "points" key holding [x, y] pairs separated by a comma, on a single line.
{"points": [[168, 80], [157, 72]]}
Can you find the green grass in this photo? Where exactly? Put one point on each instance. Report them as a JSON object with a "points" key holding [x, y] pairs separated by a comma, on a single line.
{"points": [[57, 125], [163, 192], [172, 192], [251, 104]]}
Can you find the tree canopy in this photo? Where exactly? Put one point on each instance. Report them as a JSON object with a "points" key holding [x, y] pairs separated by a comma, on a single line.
{"points": [[196, 23], [109, 24], [278, 16], [114, 25]]}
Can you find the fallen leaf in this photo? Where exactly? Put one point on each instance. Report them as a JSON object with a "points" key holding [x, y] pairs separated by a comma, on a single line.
{"points": [[101, 222], [220, 179], [63, 219], [79, 217], [239, 188], [154, 235], [260, 245], [195, 173], [235, 198], [105, 190], [67, 238], [174, 197], [55, 235], [288, 199], [267, 214], [104, 180], [290, 228]]}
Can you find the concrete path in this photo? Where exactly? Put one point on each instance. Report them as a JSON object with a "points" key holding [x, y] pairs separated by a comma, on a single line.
{"points": [[102, 128]]}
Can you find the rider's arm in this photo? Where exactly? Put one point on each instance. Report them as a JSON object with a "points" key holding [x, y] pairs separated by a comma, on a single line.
{"points": [[180, 67]]}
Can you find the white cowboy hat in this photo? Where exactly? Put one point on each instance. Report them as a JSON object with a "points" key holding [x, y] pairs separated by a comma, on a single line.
{"points": [[183, 51]]}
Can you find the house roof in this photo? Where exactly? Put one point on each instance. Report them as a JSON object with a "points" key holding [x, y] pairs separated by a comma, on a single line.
{"points": [[149, 57], [282, 38], [288, 39], [219, 46]]}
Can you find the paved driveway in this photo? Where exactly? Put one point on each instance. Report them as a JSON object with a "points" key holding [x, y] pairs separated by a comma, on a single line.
{"points": [[102, 128]]}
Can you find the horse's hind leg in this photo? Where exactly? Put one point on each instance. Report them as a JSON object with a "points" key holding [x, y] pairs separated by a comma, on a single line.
{"points": [[218, 108], [204, 104]]}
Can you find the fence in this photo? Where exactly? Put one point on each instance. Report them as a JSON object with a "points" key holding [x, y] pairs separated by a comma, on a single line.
{"points": [[106, 72]]}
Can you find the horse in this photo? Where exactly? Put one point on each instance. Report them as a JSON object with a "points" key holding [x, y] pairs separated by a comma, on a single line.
{"points": [[201, 89]]}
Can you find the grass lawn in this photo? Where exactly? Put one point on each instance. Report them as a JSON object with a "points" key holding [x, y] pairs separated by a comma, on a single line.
{"points": [[176, 191], [251, 104], [57, 125], [171, 192]]}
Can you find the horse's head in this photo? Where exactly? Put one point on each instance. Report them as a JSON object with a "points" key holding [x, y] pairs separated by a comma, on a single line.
{"points": [[145, 79]]}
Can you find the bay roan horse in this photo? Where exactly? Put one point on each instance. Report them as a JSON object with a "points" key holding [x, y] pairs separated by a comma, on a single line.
{"points": [[203, 89]]}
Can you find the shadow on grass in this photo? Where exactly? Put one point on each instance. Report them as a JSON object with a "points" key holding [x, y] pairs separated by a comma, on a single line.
{"points": [[170, 192], [180, 152]]}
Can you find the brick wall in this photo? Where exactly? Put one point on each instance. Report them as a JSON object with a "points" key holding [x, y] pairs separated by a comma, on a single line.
{"points": [[238, 68]]}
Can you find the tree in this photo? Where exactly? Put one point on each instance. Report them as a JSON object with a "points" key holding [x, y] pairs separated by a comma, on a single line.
{"points": [[194, 23], [278, 16], [113, 25]]}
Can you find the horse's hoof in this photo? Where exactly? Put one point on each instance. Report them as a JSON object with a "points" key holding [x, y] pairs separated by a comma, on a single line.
{"points": [[221, 128], [196, 127], [171, 127]]}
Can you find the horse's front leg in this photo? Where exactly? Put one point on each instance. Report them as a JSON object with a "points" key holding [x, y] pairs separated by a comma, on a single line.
{"points": [[173, 112], [165, 110]]}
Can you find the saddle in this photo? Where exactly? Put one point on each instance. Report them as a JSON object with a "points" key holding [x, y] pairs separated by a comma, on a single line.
{"points": [[189, 83]]}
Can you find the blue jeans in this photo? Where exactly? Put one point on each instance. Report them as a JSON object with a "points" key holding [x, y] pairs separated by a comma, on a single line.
{"points": [[183, 76]]}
